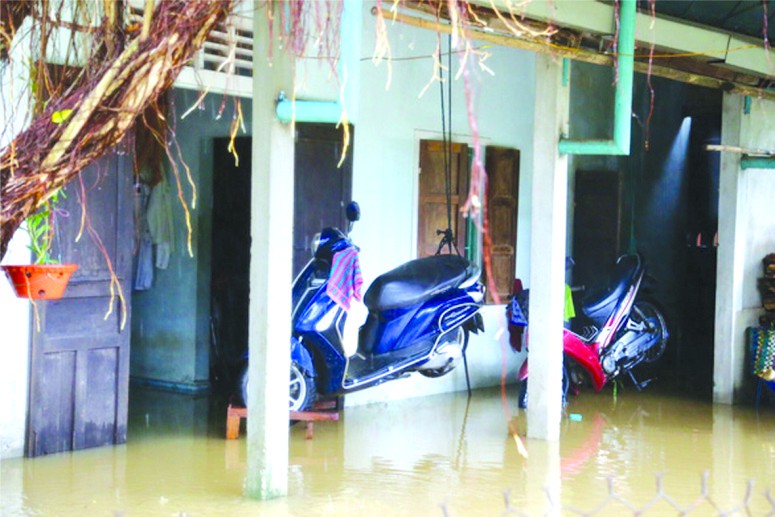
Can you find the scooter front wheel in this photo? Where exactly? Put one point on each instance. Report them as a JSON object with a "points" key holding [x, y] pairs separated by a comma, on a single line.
{"points": [[301, 388], [302, 393]]}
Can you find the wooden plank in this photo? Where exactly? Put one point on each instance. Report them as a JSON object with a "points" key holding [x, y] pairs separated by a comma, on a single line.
{"points": [[313, 416], [324, 410], [509, 40]]}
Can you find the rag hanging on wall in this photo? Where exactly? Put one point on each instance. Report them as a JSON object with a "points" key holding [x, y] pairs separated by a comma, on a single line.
{"points": [[448, 236]]}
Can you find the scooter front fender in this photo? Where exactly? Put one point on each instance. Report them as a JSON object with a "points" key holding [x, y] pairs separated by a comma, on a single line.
{"points": [[301, 356], [575, 348], [584, 355]]}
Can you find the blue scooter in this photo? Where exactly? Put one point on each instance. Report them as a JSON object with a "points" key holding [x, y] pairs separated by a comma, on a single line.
{"points": [[419, 318]]}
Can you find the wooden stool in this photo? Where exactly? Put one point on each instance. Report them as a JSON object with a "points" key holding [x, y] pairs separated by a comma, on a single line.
{"points": [[322, 410]]}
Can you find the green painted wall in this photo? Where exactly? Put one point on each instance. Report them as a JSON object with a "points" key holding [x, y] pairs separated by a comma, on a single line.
{"points": [[170, 322]]}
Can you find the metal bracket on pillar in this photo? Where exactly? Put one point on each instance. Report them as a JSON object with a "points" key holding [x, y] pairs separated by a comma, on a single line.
{"points": [[307, 111], [330, 112], [620, 143], [757, 162]]}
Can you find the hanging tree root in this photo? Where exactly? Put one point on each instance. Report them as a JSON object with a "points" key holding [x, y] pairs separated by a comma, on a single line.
{"points": [[47, 155]]}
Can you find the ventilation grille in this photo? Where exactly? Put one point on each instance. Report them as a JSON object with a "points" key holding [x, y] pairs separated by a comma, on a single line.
{"points": [[225, 57]]}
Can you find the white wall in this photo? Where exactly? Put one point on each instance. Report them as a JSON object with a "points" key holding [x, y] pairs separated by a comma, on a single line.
{"points": [[14, 355], [15, 313], [390, 123], [746, 235], [758, 132], [758, 190]]}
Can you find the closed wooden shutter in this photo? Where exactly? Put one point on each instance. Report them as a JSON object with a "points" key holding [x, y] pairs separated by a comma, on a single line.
{"points": [[502, 166], [432, 210]]}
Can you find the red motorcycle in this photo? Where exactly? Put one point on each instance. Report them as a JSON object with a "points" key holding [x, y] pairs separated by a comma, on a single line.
{"points": [[615, 332]]}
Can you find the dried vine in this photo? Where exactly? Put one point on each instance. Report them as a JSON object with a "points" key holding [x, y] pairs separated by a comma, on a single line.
{"points": [[97, 113]]}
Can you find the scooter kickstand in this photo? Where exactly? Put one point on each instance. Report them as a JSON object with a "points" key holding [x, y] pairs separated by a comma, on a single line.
{"points": [[638, 385]]}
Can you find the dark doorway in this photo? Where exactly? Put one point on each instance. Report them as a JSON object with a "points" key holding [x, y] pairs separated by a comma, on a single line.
{"points": [[698, 296], [321, 189], [230, 277], [596, 224], [79, 371]]}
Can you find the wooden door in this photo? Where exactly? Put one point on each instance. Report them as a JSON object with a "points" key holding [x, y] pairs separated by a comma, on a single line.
{"points": [[432, 195], [321, 189], [502, 202], [79, 369], [596, 225]]}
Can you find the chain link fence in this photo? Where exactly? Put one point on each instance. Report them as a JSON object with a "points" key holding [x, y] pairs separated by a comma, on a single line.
{"points": [[613, 503]]}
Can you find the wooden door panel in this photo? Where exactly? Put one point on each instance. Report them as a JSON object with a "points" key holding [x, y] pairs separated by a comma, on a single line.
{"points": [[502, 166], [59, 316], [503, 226], [53, 400], [79, 369], [97, 397]]}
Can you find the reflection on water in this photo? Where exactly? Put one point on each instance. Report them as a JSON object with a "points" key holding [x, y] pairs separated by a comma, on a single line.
{"points": [[417, 457]]}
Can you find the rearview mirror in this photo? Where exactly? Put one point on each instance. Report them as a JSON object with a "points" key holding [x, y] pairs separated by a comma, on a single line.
{"points": [[353, 212]]}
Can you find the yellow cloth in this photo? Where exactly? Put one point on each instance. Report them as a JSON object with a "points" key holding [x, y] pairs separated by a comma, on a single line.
{"points": [[570, 310]]}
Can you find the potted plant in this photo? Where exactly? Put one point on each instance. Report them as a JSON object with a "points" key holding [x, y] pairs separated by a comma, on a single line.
{"points": [[46, 278]]}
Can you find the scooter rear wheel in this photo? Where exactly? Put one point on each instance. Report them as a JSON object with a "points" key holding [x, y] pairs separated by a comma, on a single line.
{"points": [[657, 325], [457, 337]]}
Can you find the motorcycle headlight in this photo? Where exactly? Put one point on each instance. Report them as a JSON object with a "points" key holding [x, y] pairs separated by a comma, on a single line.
{"points": [[315, 244]]}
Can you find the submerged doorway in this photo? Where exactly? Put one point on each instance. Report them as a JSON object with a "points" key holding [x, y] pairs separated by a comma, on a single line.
{"points": [[230, 269]]}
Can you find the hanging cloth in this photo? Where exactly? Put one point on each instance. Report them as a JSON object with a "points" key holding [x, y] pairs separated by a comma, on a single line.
{"points": [[346, 280], [160, 223], [144, 259]]}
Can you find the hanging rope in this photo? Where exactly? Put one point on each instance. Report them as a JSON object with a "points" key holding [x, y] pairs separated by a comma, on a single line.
{"points": [[448, 238]]}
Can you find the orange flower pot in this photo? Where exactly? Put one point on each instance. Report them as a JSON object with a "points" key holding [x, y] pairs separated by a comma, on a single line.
{"points": [[40, 281]]}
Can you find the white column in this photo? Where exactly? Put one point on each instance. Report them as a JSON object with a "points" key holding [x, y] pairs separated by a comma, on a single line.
{"points": [[730, 257], [547, 254], [15, 316], [543, 479], [270, 271]]}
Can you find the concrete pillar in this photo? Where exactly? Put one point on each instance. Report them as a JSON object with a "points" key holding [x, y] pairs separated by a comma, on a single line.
{"points": [[728, 452], [270, 270], [543, 486], [728, 355], [547, 254]]}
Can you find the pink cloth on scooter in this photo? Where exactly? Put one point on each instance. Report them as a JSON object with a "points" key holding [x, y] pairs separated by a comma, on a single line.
{"points": [[346, 281]]}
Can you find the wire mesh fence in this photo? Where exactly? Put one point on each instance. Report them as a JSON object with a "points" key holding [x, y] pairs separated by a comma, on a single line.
{"points": [[611, 502]]}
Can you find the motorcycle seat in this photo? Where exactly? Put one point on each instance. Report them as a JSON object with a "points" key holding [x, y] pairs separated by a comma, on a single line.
{"points": [[599, 303], [417, 281]]}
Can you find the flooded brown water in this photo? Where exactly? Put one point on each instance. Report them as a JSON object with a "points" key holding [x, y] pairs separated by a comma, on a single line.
{"points": [[441, 455]]}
